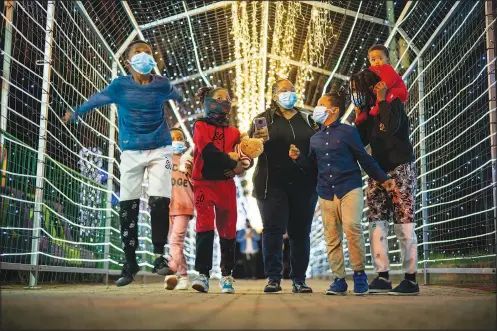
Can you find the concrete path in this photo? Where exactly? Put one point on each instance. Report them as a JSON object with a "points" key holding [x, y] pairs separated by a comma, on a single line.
{"points": [[149, 306]]}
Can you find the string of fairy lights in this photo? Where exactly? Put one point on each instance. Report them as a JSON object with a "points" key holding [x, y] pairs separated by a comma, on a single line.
{"points": [[247, 46], [319, 35]]}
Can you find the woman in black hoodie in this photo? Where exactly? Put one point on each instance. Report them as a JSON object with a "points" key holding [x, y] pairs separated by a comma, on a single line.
{"points": [[285, 192]]}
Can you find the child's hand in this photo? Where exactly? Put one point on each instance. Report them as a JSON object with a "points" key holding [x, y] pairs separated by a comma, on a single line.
{"points": [[381, 90], [294, 152], [67, 117], [239, 168]]}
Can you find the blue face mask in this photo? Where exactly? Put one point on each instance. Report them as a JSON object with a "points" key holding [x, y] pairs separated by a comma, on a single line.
{"points": [[320, 115], [178, 147], [287, 99], [358, 100], [142, 63]]}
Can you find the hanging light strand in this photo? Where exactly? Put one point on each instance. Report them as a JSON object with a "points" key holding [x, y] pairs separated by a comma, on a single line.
{"points": [[318, 38], [248, 73], [283, 39]]}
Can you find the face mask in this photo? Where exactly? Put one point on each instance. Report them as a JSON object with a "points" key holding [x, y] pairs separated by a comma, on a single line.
{"points": [[178, 147], [320, 114], [217, 109], [287, 99], [358, 100], [142, 63]]}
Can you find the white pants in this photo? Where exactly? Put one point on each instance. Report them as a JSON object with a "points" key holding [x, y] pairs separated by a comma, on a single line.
{"points": [[378, 234], [159, 164]]}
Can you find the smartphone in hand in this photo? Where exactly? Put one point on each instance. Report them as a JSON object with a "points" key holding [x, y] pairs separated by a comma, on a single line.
{"points": [[261, 129]]}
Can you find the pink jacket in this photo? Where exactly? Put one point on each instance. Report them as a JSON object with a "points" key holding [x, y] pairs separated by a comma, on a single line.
{"points": [[182, 191]]}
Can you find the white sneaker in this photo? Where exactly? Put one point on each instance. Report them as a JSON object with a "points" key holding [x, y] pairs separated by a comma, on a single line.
{"points": [[226, 284], [170, 282], [182, 284]]}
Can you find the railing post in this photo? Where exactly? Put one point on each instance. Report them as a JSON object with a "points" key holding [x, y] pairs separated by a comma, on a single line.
{"points": [[492, 103], [7, 52], [40, 166], [422, 153], [110, 178]]}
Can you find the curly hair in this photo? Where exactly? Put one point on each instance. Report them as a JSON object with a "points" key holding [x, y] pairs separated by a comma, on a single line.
{"points": [[362, 83]]}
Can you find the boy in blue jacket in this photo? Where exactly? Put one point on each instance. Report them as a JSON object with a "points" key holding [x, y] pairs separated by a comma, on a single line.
{"points": [[337, 149], [145, 141]]}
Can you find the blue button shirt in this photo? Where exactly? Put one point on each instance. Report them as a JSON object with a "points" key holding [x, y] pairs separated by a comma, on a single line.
{"points": [[337, 149]]}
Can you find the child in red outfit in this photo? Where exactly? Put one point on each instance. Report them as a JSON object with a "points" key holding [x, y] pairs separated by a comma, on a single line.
{"points": [[214, 188], [378, 57]]}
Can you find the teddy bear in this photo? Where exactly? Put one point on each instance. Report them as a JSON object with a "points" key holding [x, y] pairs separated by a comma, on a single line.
{"points": [[247, 150]]}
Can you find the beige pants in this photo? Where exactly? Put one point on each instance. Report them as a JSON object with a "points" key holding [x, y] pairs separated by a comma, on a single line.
{"points": [[339, 216]]}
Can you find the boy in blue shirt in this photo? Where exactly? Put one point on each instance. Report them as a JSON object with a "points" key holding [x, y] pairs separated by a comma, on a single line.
{"points": [[145, 139], [336, 149]]}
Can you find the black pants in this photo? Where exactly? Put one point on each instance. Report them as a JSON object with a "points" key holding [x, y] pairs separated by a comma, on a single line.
{"points": [[286, 259], [250, 265], [159, 214], [204, 247], [288, 209]]}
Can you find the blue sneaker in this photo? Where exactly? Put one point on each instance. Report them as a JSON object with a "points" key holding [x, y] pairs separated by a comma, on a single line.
{"points": [[338, 287], [201, 284], [226, 284], [360, 283]]}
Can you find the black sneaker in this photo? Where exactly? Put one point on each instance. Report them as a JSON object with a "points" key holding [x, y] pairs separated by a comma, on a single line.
{"points": [[301, 287], [380, 285], [161, 267], [406, 287], [272, 286], [127, 274]]}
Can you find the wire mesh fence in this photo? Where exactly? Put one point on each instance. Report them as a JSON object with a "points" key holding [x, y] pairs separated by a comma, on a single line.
{"points": [[448, 108]]}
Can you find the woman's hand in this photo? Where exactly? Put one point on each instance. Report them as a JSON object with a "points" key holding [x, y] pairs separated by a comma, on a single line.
{"points": [[262, 134], [66, 117], [381, 90], [294, 152], [389, 185], [357, 111]]}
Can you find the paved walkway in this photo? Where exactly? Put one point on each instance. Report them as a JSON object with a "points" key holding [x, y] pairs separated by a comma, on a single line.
{"points": [[149, 306]]}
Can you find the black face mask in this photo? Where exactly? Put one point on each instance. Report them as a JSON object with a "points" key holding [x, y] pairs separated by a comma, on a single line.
{"points": [[217, 110]]}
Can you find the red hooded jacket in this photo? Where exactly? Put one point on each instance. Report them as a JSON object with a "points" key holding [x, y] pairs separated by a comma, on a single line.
{"points": [[395, 85]]}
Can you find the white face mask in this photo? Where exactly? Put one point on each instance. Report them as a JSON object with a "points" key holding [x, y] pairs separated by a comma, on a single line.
{"points": [[178, 147], [287, 99], [142, 63], [320, 114]]}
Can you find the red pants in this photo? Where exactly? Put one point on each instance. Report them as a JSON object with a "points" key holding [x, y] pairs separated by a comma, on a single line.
{"points": [[216, 199]]}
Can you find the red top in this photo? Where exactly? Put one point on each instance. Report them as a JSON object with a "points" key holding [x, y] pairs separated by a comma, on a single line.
{"points": [[395, 85], [210, 154]]}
